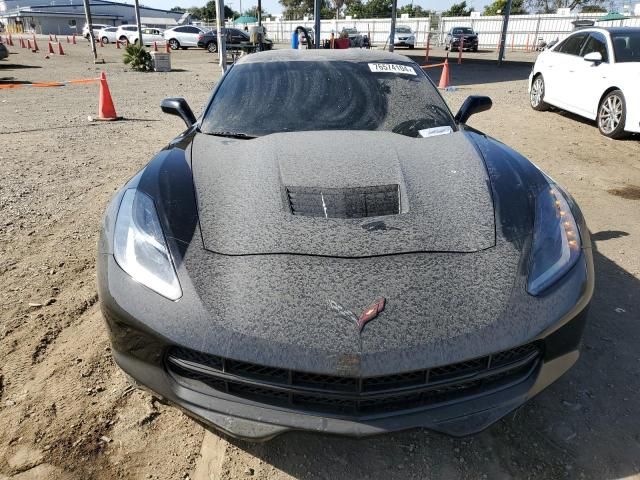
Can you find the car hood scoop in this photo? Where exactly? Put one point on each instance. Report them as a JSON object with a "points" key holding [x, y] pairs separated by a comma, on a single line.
{"points": [[342, 194]]}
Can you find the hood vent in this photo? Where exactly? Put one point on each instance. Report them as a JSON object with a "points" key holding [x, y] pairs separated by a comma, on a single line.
{"points": [[356, 202]]}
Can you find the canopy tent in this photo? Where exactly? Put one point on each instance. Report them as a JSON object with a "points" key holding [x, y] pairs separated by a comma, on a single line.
{"points": [[611, 16], [246, 19]]}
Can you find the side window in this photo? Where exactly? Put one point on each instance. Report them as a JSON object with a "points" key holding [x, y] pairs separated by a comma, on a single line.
{"points": [[572, 45], [596, 43], [191, 30], [179, 29]]}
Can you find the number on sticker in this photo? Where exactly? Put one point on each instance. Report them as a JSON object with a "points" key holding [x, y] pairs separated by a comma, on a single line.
{"points": [[391, 68]]}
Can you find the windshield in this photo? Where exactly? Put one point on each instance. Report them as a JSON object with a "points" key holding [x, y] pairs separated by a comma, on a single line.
{"points": [[349, 30], [626, 46], [260, 98], [462, 31], [403, 30]]}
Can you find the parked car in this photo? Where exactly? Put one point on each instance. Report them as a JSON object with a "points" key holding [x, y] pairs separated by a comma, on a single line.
{"points": [[234, 36], [124, 31], [184, 36], [404, 37], [270, 270], [594, 73], [107, 35], [4, 51], [355, 38], [96, 27], [464, 35]]}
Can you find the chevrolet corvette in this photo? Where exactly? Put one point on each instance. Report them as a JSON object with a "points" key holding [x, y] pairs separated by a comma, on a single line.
{"points": [[328, 248]]}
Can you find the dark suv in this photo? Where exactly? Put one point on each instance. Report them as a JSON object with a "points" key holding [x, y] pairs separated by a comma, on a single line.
{"points": [[234, 38], [465, 35]]}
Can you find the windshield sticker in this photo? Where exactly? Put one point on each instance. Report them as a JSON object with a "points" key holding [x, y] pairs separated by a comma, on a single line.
{"points": [[391, 68], [432, 132]]}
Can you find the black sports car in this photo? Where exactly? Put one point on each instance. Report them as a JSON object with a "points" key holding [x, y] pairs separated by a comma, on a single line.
{"points": [[328, 248]]}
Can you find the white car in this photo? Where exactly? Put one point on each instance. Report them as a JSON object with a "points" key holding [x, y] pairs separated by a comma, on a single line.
{"points": [[184, 36], [149, 35], [595, 73], [96, 27], [404, 37], [107, 35]]}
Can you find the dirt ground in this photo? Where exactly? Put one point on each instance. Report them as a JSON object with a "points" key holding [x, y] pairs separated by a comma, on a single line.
{"points": [[66, 411]]}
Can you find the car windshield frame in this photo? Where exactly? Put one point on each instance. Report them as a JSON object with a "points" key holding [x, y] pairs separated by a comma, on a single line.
{"points": [[463, 31], [353, 104], [403, 30]]}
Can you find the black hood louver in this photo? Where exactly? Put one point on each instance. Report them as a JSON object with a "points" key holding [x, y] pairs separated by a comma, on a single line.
{"points": [[355, 202]]}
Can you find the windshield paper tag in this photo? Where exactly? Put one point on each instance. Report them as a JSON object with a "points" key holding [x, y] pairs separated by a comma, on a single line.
{"points": [[391, 68], [432, 132]]}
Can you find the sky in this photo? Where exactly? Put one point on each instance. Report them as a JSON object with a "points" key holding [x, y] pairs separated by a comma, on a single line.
{"points": [[274, 7]]}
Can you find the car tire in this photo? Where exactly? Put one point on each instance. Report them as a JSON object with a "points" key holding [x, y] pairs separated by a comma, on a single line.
{"points": [[123, 38], [411, 47], [612, 114], [212, 47], [475, 49], [174, 44], [536, 96], [105, 40], [446, 47]]}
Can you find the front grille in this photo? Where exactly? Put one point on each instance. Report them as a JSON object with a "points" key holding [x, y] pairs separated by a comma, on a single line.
{"points": [[356, 202], [351, 396]]}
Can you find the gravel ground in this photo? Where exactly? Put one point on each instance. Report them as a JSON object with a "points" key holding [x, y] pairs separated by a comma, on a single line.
{"points": [[66, 411]]}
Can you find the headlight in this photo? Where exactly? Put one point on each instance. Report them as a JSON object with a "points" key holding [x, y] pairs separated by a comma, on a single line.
{"points": [[556, 240], [140, 248]]}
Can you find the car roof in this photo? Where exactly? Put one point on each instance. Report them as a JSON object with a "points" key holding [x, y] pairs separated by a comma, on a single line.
{"points": [[610, 30], [324, 55]]}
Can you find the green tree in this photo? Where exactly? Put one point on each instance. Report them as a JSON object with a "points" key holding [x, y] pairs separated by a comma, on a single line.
{"points": [[593, 9], [552, 6], [460, 10], [371, 9], [178, 9], [253, 12], [296, 9], [208, 12], [498, 7], [414, 11]]}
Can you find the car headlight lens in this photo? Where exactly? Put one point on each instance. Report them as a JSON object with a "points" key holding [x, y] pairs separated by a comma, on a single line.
{"points": [[556, 240], [140, 247]]}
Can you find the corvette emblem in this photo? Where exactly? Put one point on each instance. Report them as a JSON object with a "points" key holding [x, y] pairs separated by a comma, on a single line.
{"points": [[367, 315]]}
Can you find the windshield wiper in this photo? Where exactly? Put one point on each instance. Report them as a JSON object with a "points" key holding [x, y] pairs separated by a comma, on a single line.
{"points": [[244, 136]]}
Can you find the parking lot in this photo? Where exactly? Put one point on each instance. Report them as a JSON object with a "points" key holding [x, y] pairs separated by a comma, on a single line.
{"points": [[67, 412]]}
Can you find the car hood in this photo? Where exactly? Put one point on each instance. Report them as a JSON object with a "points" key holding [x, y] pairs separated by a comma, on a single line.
{"points": [[293, 193]]}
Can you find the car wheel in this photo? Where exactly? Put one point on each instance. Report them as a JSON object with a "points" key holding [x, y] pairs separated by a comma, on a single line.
{"points": [[212, 47], [475, 49], [536, 97], [411, 47], [612, 114], [174, 44], [105, 40], [446, 47], [123, 38]]}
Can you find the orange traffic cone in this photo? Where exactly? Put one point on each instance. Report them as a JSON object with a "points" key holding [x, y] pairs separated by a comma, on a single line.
{"points": [[106, 110], [29, 44], [117, 43], [60, 50], [73, 39], [10, 41], [68, 41], [444, 77], [101, 42], [167, 49], [155, 46], [50, 38], [50, 49], [55, 37], [35, 44]]}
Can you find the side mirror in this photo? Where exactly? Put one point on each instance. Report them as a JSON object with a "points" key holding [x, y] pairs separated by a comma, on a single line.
{"points": [[595, 57], [473, 104], [178, 106]]}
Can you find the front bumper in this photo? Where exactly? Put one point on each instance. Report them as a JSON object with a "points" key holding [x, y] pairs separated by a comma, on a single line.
{"points": [[468, 44], [142, 354]]}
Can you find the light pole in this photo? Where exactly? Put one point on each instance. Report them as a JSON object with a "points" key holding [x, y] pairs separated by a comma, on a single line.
{"points": [[392, 33], [503, 35]]}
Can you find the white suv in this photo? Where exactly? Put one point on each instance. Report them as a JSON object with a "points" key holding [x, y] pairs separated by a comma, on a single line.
{"points": [[95, 27]]}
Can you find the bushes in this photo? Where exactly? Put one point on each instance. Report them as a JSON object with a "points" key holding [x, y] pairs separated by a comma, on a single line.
{"points": [[137, 57]]}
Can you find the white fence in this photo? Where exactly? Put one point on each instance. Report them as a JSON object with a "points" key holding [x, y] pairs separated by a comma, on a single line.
{"points": [[524, 30]]}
